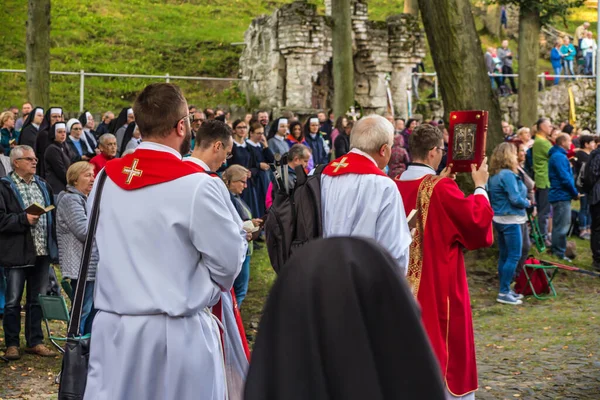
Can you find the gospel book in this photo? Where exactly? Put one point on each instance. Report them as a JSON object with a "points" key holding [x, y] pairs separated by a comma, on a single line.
{"points": [[468, 133], [38, 209]]}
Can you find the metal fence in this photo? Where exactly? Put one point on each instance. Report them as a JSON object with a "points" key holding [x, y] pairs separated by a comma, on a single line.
{"points": [[82, 74], [542, 77]]}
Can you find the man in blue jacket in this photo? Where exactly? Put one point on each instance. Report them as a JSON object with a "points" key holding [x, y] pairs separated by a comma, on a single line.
{"points": [[27, 246], [562, 191]]}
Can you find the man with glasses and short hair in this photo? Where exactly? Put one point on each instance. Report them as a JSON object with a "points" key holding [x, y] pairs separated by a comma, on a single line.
{"points": [[214, 142], [197, 120], [173, 226], [27, 247]]}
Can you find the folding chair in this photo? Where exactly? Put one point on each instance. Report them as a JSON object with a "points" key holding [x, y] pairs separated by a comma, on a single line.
{"points": [[536, 234], [54, 308], [539, 277]]}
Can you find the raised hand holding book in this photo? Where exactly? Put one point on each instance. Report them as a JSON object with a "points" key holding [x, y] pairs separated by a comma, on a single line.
{"points": [[466, 145], [38, 209]]}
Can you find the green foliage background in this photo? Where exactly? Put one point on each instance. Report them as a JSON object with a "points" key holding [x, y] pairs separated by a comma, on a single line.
{"points": [[179, 37]]}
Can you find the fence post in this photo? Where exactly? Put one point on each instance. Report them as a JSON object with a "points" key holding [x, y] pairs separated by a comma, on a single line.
{"points": [[436, 86], [543, 79], [167, 75], [81, 89]]}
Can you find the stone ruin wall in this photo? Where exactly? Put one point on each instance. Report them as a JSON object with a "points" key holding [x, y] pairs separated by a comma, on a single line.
{"points": [[287, 58]]}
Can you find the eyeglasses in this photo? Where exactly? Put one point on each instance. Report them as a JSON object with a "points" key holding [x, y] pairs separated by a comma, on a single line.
{"points": [[76, 129], [241, 127], [443, 150], [229, 155], [30, 159], [188, 117]]}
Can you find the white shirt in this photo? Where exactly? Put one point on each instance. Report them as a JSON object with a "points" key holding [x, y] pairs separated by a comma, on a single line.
{"points": [[368, 206]]}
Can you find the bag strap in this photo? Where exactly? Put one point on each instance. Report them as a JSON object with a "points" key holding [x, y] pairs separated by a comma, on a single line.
{"points": [[85, 260]]}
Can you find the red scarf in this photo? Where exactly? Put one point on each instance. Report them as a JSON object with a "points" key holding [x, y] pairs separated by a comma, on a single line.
{"points": [[146, 168], [352, 163]]}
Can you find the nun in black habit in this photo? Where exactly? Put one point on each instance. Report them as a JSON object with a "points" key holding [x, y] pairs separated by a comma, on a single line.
{"points": [[340, 324], [31, 127], [52, 116], [90, 136], [119, 125], [57, 158]]}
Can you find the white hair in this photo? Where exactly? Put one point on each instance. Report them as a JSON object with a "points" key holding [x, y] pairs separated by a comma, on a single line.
{"points": [[102, 139], [17, 152], [370, 133]]}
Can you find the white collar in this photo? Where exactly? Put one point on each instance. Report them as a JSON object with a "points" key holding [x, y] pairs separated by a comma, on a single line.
{"points": [[280, 138], [313, 135], [240, 145], [362, 153], [36, 125], [159, 147], [73, 139], [251, 143], [414, 172], [198, 162]]}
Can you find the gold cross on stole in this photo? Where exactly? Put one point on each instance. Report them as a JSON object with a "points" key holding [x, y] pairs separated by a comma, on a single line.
{"points": [[341, 164], [132, 171]]}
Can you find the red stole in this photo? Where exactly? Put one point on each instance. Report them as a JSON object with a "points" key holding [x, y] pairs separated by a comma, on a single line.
{"points": [[352, 163], [217, 310], [446, 222], [147, 167]]}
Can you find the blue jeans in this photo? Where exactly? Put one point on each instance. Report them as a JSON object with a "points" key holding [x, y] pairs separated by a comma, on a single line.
{"points": [[557, 71], [88, 305], [240, 285], [561, 221], [510, 244], [2, 290], [568, 67], [589, 57], [585, 219], [543, 206]]}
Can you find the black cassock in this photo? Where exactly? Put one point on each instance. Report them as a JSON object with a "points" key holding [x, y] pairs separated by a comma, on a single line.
{"points": [[341, 324]]}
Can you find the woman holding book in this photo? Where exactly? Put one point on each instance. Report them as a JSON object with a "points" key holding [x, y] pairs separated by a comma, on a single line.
{"points": [[508, 197], [71, 229], [236, 180], [8, 135]]}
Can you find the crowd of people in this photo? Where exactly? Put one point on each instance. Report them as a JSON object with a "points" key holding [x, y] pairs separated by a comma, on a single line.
{"points": [[207, 182]]}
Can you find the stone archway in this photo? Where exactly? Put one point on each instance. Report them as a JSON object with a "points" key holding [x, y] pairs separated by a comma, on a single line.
{"points": [[322, 89]]}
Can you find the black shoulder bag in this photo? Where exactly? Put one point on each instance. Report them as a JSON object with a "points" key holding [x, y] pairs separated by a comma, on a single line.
{"points": [[73, 376]]}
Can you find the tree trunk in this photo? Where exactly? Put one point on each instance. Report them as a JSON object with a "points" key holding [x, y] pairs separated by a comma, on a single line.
{"points": [[343, 61], [529, 49], [38, 53], [459, 62], [411, 7]]}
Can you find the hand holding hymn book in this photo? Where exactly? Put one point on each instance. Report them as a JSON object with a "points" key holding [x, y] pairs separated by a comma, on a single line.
{"points": [[38, 210]]}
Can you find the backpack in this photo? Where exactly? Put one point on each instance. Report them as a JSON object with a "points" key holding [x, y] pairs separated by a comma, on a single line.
{"points": [[529, 163], [588, 179], [294, 218], [539, 279]]}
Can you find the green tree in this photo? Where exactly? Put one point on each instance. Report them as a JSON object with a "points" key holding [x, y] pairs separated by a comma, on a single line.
{"points": [[343, 62], [456, 50], [37, 52], [533, 14]]}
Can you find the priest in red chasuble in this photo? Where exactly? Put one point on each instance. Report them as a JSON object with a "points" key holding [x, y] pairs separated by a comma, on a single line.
{"points": [[447, 222]]}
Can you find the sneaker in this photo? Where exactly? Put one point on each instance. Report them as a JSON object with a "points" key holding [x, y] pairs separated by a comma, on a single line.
{"points": [[565, 258], [41, 350], [12, 353], [507, 298], [516, 295]]}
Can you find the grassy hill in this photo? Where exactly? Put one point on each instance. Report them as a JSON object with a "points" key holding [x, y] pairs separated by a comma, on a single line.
{"points": [[179, 37]]}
